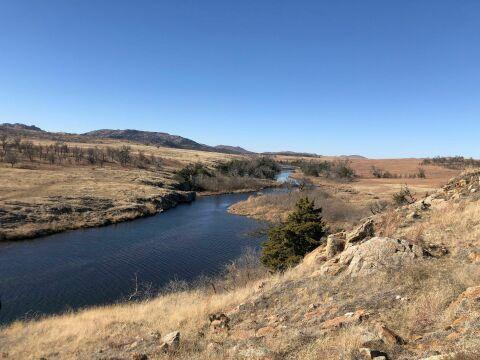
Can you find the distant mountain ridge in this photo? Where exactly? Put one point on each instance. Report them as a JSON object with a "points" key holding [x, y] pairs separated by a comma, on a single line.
{"points": [[144, 137], [292, 153], [150, 138], [163, 139], [233, 149], [19, 126]]}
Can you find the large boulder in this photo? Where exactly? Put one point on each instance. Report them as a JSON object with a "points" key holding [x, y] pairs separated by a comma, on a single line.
{"points": [[376, 254], [364, 231]]}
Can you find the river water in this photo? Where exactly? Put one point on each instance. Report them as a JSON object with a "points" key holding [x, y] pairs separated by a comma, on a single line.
{"points": [[99, 266]]}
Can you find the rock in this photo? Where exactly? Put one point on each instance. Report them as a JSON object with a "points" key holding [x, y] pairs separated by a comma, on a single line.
{"points": [[335, 245], [413, 215], [315, 257], [172, 340], [435, 250], [376, 254], [388, 336], [361, 233], [163, 347], [219, 322], [264, 331], [347, 319], [369, 354]]}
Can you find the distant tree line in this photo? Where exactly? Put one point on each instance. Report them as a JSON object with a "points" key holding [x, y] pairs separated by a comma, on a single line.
{"points": [[14, 150], [232, 175], [338, 169], [385, 174], [452, 162]]}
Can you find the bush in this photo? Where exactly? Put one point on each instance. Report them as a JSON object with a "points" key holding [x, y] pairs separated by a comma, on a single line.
{"points": [[229, 176], [421, 173], [339, 169], [404, 197], [260, 168], [189, 175], [288, 243]]}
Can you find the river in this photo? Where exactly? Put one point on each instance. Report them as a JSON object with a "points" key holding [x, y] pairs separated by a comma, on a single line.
{"points": [[98, 266]]}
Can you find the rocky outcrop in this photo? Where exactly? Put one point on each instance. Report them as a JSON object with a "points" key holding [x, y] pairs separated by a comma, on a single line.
{"points": [[376, 254], [363, 232], [171, 341], [335, 245]]}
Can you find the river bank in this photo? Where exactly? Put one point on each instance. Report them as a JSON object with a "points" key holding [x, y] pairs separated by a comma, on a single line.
{"points": [[45, 201], [102, 265]]}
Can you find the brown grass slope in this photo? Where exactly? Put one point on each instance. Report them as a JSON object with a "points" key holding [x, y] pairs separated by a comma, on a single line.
{"points": [[417, 304]]}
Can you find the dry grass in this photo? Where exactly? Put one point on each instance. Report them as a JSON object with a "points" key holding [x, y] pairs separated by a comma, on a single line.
{"points": [[337, 212], [456, 225], [38, 198], [115, 328], [343, 345]]}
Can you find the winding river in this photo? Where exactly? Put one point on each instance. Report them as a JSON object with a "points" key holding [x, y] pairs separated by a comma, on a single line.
{"points": [[99, 266]]}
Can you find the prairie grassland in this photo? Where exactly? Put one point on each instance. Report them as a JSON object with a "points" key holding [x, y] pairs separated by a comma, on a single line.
{"points": [[346, 202], [38, 198]]}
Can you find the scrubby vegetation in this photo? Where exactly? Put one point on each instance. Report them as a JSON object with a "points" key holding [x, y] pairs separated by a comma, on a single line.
{"points": [[289, 242], [404, 196], [452, 162], [338, 170], [385, 174], [228, 176]]}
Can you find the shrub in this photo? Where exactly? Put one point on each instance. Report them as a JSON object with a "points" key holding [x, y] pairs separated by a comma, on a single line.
{"points": [[421, 173], [404, 196], [341, 169], [260, 168], [189, 175], [288, 243]]}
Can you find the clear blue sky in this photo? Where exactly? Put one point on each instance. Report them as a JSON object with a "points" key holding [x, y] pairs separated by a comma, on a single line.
{"points": [[379, 78]]}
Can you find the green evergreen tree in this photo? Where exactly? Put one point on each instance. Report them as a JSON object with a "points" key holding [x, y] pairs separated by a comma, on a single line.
{"points": [[288, 243]]}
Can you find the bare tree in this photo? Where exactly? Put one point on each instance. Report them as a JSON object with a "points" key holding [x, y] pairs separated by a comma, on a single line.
{"points": [[4, 142], [124, 155], [28, 149]]}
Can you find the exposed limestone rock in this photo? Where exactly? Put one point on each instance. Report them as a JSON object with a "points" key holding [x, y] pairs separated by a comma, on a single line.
{"points": [[369, 354], [171, 341], [388, 336], [376, 254], [361, 233], [335, 245], [344, 320]]}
